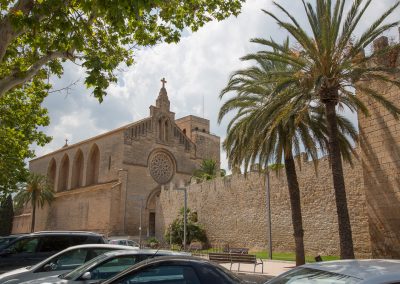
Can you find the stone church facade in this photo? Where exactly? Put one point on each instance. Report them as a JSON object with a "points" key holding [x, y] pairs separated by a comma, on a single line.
{"points": [[111, 183]]}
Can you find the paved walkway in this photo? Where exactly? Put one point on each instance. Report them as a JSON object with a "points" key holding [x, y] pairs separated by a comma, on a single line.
{"points": [[271, 267]]}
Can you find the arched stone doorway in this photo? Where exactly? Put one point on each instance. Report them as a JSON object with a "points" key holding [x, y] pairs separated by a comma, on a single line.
{"points": [[151, 211]]}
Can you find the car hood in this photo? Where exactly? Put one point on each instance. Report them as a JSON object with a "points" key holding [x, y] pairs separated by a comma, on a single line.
{"points": [[13, 273], [47, 280]]}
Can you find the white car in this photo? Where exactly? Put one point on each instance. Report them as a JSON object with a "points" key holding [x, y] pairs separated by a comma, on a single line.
{"points": [[367, 271], [59, 263]]}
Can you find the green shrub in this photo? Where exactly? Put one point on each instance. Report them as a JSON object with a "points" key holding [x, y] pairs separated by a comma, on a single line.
{"points": [[194, 231]]}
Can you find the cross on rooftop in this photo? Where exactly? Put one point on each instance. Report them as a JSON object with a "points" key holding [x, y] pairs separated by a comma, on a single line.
{"points": [[163, 82]]}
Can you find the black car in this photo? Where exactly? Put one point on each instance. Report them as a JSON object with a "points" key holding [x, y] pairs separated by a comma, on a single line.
{"points": [[28, 249], [176, 270]]}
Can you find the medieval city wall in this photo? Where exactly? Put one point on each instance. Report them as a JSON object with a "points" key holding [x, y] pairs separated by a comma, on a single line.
{"points": [[233, 210], [380, 140]]}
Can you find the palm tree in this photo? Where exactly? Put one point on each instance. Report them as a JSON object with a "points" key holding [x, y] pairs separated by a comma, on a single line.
{"points": [[330, 60], [208, 170], [37, 191], [265, 131]]}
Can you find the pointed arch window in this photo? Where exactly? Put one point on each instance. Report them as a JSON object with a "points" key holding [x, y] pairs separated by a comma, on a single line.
{"points": [[77, 170], [63, 174], [166, 130], [92, 173], [51, 173]]}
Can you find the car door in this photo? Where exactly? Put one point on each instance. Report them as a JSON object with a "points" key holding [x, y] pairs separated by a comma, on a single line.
{"points": [[20, 253]]}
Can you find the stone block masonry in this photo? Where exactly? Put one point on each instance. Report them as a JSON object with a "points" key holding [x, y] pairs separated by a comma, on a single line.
{"points": [[233, 210]]}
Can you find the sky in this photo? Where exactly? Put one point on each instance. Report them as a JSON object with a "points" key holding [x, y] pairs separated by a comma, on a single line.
{"points": [[196, 69]]}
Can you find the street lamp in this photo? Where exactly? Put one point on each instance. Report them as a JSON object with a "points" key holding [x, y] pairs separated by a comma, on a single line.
{"points": [[268, 195], [184, 215]]}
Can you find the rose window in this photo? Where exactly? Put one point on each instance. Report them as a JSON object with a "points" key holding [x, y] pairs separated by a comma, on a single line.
{"points": [[161, 168]]}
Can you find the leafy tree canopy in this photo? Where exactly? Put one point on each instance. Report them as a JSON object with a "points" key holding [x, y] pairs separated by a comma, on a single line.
{"points": [[40, 34], [20, 116]]}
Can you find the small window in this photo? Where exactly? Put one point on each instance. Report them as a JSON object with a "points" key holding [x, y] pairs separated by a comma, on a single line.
{"points": [[163, 274], [204, 130], [196, 128]]}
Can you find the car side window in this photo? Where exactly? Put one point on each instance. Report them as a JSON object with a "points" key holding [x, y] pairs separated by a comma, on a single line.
{"points": [[26, 245], [112, 267], [67, 261], [175, 274], [54, 243]]}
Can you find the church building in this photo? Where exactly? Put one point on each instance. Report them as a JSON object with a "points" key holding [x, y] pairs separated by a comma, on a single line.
{"points": [[111, 183]]}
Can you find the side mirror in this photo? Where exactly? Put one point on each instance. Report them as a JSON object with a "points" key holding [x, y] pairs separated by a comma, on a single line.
{"points": [[50, 266], [86, 276]]}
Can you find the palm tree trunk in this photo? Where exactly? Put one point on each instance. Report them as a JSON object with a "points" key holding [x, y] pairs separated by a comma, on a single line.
{"points": [[345, 235], [33, 216], [294, 196]]}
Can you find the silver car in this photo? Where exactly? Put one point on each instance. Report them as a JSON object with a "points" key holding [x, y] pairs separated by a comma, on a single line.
{"points": [[103, 267], [59, 263]]}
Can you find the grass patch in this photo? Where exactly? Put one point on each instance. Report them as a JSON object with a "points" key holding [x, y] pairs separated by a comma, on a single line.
{"points": [[290, 256]]}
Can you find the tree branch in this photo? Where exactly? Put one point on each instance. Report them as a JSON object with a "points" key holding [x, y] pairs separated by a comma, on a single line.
{"points": [[18, 78], [7, 31]]}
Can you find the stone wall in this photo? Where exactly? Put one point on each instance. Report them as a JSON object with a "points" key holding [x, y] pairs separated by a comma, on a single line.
{"points": [[233, 210], [91, 208], [380, 140]]}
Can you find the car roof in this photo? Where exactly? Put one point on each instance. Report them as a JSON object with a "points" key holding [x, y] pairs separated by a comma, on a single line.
{"points": [[107, 246], [362, 269], [145, 251], [65, 232]]}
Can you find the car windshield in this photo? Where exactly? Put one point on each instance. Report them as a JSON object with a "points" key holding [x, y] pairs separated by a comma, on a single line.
{"points": [[72, 275], [305, 275]]}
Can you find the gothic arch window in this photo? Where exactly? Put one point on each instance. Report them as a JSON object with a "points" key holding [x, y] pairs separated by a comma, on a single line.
{"points": [[63, 174], [160, 129], [184, 131], [166, 130], [92, 172], [77, 170], [51, 172]]}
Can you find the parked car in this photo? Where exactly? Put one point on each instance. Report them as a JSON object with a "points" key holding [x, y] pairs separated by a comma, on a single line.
{"points": [[59, 263], [176, 269], [375, 271], [124, 242], [103, 267], [32, 248]]}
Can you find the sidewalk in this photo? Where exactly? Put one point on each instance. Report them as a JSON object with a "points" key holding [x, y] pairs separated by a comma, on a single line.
{"points": [[271, 267]]}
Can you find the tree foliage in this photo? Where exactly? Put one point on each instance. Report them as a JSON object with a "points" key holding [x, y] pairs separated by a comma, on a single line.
{"points": [[21, 117], [37, 191], [6, 216], [99, 35], [208, 170], [194, 230]]}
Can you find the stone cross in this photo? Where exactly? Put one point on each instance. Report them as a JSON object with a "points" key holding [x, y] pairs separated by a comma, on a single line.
{"points": [[163, 82]]}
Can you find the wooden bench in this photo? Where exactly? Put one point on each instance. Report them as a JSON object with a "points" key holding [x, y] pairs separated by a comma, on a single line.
{"points": [[236, 258]]}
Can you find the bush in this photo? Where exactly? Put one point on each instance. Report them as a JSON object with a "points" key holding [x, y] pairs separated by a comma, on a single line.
{"points": [[194, 231]]}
